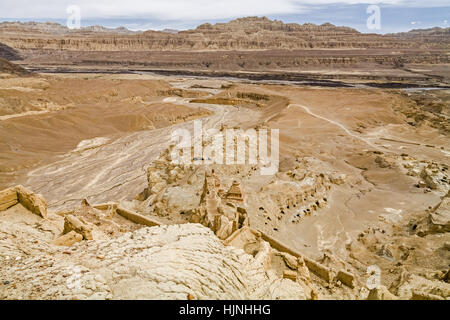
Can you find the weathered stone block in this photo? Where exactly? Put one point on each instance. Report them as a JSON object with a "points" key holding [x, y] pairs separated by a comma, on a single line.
{"points": [[346, 278], [319, 270], [290, 261], [68, 239], [72, 223], [33, 202], [8, 198], [289, 274], [137, 218]]}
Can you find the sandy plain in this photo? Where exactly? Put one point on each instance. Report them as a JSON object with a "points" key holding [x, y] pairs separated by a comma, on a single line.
{"points": [[350, 179]]}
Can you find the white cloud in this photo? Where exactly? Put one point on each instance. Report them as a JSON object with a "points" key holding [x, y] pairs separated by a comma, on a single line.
{"points": [[180, 9]]}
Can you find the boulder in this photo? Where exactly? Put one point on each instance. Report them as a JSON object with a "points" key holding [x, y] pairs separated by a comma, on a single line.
{"points": [[338, 179], [68, 239], [72, 223], [381, 293], [8, 198], [290, 260], [427, 177], [346, 278], [33, 202]]}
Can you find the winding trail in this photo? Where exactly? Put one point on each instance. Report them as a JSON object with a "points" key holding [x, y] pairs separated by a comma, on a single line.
{"points": [[23, 114], [348, 132]]}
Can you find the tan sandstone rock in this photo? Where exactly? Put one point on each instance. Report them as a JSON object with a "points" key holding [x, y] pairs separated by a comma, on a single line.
{"points": [[381, 293], [319, 269], [72, 223], [35, 203], [346, 278], [289, 274], [8, 198], [68, 239], [290, 261]]}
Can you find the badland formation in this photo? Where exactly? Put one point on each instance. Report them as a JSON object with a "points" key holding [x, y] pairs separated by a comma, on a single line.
{"points": [[94, 207]]}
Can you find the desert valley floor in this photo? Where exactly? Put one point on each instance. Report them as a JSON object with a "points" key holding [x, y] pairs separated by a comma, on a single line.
{"points": [[93, 205], [362, 181]]}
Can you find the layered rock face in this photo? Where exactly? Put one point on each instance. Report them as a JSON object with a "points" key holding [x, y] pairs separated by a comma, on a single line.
{"points": [[432, 108], [250, 33], [223, 211], [250, 44], [56, 28], [262, 33], [432, 35]]}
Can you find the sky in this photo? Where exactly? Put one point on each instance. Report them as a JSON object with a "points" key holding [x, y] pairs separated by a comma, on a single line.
{"points": [[394, 15]]}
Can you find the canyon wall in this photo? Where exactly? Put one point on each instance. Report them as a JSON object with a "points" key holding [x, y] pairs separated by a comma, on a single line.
{"points": [[250, 33]]}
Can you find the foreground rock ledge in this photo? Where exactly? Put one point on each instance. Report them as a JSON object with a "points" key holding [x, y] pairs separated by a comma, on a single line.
{"points": [[167, 262]]}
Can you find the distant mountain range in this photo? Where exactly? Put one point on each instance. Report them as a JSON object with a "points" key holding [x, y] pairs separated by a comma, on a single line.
{"points": [[251, 33], [436, 34]]}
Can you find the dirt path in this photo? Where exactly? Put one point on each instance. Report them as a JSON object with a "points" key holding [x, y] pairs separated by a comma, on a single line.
{"points": [[348, 132], [18, 115]]}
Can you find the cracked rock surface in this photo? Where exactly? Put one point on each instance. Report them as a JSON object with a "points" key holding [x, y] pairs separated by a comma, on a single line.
{"points": [[169, 262]]}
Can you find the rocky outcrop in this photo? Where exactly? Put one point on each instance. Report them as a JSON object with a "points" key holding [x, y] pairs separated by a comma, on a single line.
{"points": [[414, 287], [169, 262], [427, 108], [381, 293], [56, 28], [72, 223], [9, 53], [437, 221], [12, 69], [68, 239], [223, 212], [114, 264], [35, 203]]}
